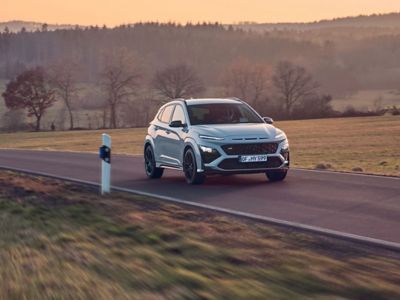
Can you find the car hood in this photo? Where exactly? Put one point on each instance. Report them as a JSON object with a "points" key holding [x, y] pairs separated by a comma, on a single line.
{"points": [[238, 131]]}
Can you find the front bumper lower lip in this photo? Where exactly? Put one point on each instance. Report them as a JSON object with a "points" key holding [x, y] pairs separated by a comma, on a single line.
{"points": [[213, 168], [213, 171]]}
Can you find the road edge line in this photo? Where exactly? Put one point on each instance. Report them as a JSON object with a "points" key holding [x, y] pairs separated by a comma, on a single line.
{"points": [[288, 224], [292, 168]]}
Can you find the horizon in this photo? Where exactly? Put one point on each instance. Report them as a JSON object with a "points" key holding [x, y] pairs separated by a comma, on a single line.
{"points": [[179, 11], [201, 21]]}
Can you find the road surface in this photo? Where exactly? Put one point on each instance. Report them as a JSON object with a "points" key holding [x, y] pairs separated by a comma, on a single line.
{"points": [[367, 206]]}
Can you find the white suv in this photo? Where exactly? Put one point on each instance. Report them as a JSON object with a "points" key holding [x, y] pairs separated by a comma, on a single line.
{"points": [[214, 136]]}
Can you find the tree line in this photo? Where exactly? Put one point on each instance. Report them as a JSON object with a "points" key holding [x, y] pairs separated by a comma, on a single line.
{"points": [[343, 60], [118, 77], [122, 85]]}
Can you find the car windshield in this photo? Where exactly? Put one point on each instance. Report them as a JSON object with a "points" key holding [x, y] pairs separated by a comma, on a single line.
{"points": [[222, 113]]}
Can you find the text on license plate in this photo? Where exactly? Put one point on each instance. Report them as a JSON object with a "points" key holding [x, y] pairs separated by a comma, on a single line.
{"points": [[253, 158]]}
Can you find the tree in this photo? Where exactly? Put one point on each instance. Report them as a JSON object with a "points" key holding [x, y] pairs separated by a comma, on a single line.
{"points": [[45, 27], [246, 80], [293, 84], [14, 120], [120, 77], [63, 79], [180, 81], [315, 106], [30, 91]]}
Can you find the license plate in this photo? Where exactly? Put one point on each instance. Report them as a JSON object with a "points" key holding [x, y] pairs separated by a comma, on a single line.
{"points": [[252, 158]]}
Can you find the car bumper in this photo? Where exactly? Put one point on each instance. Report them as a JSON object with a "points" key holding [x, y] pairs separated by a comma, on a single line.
{"points": [[231, 164], [226, 160]]}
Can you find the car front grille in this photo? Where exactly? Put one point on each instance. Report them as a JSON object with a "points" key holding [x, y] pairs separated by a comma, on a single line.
{"points": [[249, 149], [234, 164]]}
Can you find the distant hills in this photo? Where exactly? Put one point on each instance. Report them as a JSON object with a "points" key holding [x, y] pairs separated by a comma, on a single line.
{"points": [[390, 20], [16, 26]]}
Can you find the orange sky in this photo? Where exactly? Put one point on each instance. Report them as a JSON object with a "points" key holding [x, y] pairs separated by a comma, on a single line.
{"points": [[114, 12]]}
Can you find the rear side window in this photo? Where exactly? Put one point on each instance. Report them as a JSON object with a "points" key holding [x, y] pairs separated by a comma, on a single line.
{"points": [[160, 114], [166, 114]]}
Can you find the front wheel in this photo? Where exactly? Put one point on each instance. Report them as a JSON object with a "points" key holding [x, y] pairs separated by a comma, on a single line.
{"points": [[190, 168], [150, 164], [276, 175]]}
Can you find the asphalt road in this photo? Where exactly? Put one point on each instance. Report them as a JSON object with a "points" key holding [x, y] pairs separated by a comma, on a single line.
{"points": [[367, 206]]}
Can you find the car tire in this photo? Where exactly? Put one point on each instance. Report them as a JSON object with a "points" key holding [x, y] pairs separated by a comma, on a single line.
{"points": [[276, 175], [190, 168], [150, 164]]}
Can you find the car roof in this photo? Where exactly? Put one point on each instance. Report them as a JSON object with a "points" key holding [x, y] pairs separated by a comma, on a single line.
{"points": [[212, 101]]}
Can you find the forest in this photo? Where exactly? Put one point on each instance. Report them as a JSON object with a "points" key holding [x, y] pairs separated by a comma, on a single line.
{"points": [[221, 60]]}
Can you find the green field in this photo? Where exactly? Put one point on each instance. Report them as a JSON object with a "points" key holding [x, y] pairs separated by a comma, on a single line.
{"points": [[62, 241], [367, 144]]}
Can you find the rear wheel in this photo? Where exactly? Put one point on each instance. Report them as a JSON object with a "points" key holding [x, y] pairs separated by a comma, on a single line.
{"points": [[150, 164], [276, 175], [190, 168]]}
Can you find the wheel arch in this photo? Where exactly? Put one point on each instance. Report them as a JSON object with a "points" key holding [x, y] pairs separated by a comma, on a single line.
{"points": [[191, 144], [148, 142]]}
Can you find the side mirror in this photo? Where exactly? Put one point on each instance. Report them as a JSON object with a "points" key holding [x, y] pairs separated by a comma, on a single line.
{"points": [[268, 120], [176, 124]]}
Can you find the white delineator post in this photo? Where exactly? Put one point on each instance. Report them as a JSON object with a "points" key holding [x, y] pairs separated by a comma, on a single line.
{"points": [[106, 165]]}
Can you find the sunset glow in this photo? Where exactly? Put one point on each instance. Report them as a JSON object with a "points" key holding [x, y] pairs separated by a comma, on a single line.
{"points": [[117, 12]]}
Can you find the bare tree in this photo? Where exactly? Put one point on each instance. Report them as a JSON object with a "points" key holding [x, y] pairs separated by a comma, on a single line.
{"points": [[180, 81], [30, 91], [142, 110], [63, 79], [246, 80], [293, 83], [120, 77]]}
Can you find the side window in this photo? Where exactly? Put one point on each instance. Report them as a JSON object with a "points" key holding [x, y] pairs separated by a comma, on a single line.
{"points": [[159, 115], [179, 114], [166, 115]]}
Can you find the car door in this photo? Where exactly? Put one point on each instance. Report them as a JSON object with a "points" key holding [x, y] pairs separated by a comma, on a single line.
{"points": [[162, 133], [175, 138]]}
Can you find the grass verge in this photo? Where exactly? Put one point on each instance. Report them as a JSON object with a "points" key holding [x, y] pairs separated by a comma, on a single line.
{"points": [[62, 241]]}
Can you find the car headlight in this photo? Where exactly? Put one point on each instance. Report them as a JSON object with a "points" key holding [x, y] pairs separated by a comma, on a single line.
{"points": [[209, 154], [284, 144], [206, 149], [213, 138], [280, 136]]}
